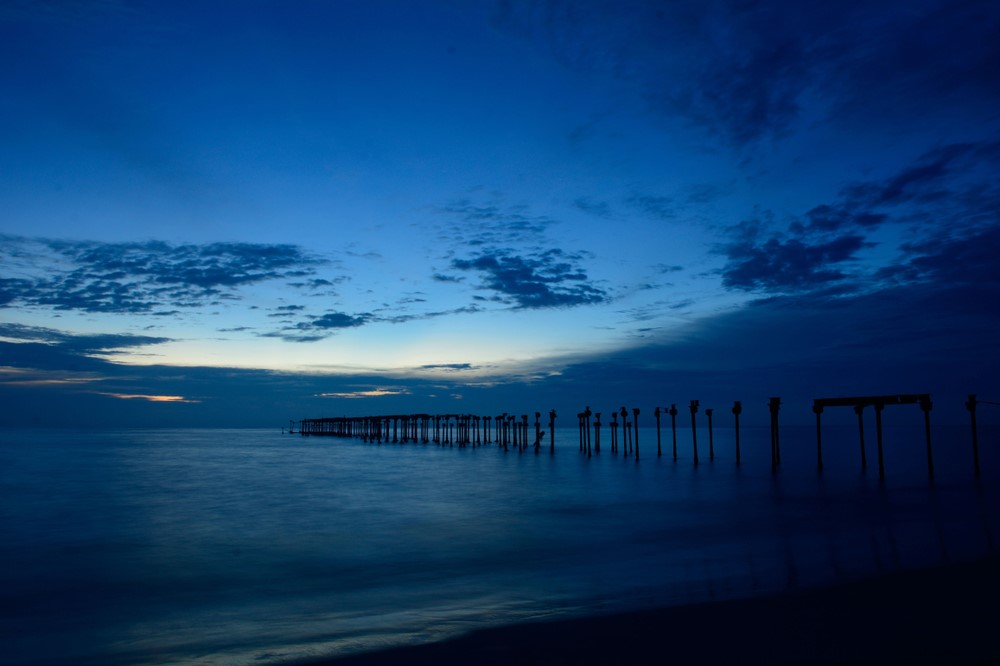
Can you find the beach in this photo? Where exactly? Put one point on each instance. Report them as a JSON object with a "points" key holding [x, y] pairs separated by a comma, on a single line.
{"points": [[943, 615]]}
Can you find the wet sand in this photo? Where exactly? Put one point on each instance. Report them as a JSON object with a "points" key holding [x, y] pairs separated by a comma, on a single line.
{"points": [[946, 615]]}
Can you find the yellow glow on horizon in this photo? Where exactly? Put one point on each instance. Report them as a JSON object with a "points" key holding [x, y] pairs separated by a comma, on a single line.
{"points": [[150, 398]]}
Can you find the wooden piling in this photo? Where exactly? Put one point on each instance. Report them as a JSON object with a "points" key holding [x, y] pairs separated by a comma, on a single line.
{"points": [[970, 405], [737, 410], [694, 429]]}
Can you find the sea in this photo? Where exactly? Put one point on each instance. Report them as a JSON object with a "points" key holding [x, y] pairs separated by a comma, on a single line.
{"points": [[264, 547]]}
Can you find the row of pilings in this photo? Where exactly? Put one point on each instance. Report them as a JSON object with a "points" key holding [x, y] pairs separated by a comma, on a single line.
{"points": [[506, 430], [510, 431]]}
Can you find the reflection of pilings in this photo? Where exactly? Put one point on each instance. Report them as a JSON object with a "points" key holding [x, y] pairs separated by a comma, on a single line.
{"points": [[694, 429], [673, 427], [774, 404], [970, 404], [737, 410]]}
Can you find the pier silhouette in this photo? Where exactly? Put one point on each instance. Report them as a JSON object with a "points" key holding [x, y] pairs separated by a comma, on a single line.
{"points": [[508, 431]]}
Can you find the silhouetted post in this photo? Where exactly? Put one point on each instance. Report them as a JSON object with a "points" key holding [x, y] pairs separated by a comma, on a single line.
{"points": [[626, 432], [538, 431], [635, 424], [552, 431], [694, 429], [614, 431], [659, 449], [597, 432], [774, 404], [586, 426], [673, 427], [737, 410], [818, 409], [970, 405], [504, 436], [925, 407], [859, 410], [711, 437], [878, 439], [524, 432]]}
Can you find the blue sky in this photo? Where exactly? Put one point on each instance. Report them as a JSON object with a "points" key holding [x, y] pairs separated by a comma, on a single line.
{"points": [[244, 212]]}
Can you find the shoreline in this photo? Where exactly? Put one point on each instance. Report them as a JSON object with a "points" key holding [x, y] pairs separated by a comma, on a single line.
{"points": [[944, 615]]}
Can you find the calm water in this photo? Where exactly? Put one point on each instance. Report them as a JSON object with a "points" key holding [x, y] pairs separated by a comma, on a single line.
{"points": [[249, 546]]}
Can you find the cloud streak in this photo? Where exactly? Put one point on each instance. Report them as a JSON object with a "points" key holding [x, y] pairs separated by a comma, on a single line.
{"points": [[142, 277]]}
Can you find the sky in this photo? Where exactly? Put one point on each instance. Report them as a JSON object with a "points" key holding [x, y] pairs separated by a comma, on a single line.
{"points": [[240, 213]]}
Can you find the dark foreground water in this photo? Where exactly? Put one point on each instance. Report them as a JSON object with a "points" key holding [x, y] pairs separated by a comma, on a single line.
{"points": [[249, 546]]}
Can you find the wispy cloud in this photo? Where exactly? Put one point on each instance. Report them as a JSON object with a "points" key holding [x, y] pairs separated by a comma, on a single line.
{"points": [[945, 204], [140, 277], [552, 278]]}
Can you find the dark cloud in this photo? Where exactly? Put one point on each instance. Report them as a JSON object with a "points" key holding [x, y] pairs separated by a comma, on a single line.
{"points": [[598, 208], [141, 277], [968, 260], [664, 208], [82, 344], [546, 279], [746, 71], [440, 277], [449, 366], [945, 204], [492, 223], [316, 328], [790, 265]]}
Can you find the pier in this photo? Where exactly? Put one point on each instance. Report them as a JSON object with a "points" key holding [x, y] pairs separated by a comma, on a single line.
{"points": [[510, 431]]}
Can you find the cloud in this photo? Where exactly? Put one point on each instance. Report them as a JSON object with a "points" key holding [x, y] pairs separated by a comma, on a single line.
{"points": [[492, 223], [76, 343], [320, 327], [597, 208], [790, 265], [546, 279], [141, 277], [944, 206], [750, 72], [449, 366]]}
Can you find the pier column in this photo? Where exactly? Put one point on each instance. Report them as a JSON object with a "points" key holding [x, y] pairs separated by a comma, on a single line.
{"points": [[878, 439], [626, 432], [774, 404], [586, 427], [635, 424], [694, 429], [673, 427], [711, 437], [737, 410], [597, 432], [614, 432], [818, 410], [970, 405], [552, 431], [925, 407], [659, 449], [859, 410]]}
